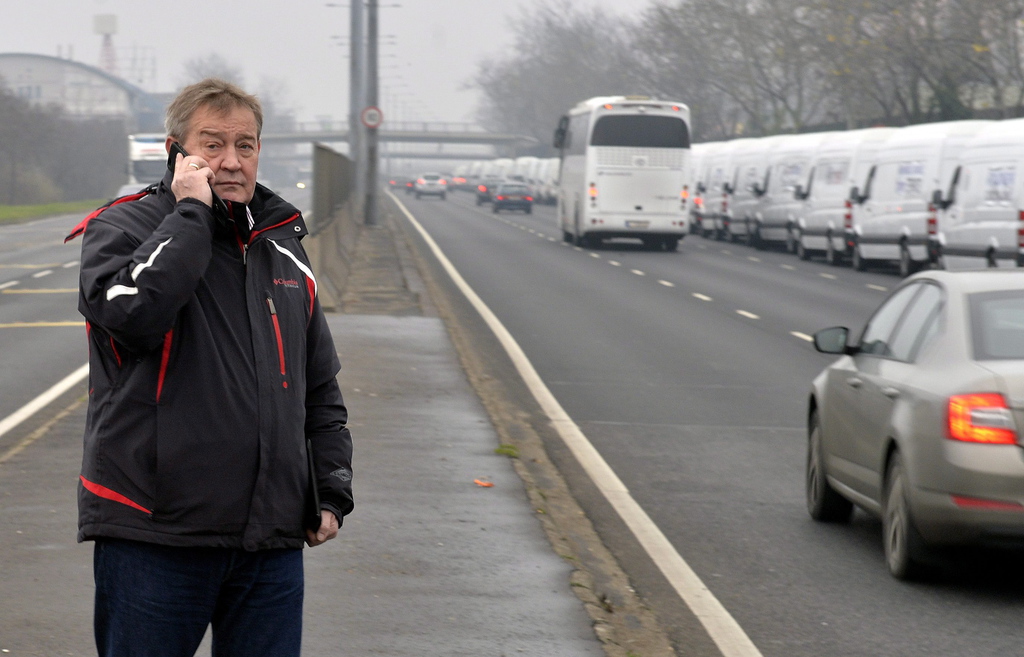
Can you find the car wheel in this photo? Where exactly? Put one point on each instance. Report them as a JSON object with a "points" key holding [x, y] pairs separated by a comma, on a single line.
{"points": [[671, 244], [906, 264], [758, 242], [790, 242], [824, 504], [495, 209], [479, 201], [443, 197], [567, 236], [529, 210], [904, 548]]}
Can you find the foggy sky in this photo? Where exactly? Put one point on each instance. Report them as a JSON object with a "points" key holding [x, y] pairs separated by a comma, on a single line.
{"points": [[437, 45]]}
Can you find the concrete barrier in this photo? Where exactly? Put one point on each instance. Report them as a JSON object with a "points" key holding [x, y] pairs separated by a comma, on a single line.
{"points": [[335, 224]]}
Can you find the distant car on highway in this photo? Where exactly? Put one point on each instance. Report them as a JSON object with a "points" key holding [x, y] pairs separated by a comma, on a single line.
{"points": [[512, 196], [431, 184], [485, 189], [919, 421]]}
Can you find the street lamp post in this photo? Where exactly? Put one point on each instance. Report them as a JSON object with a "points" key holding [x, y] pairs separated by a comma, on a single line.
{"points": [[372, 154], [355, 93]]}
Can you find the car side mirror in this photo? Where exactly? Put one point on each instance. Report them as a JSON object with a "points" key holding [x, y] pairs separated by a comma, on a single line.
{"points": [[701, 188], [798, 193], [832, 340], [855, 196], [560, 132], [937, 198]]}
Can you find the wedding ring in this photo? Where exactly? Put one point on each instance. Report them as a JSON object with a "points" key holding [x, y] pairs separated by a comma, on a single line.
{"points": [[194, 165]]}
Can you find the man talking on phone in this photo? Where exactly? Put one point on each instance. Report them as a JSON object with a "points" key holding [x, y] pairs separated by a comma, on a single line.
{"points": [[212, 396]]}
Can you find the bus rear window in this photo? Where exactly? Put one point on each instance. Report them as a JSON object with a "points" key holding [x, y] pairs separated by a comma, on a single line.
{"points": [[642, 131]]}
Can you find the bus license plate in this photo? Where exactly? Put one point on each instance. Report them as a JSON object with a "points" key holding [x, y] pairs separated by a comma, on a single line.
{"points": [[637, 224]]}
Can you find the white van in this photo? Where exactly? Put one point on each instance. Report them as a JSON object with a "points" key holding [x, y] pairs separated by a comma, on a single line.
{"points": [[695, 184], [717, 187], [549, 180], [789, 164], [841, 162], [750, 161], [893, 218], [981, 218]]}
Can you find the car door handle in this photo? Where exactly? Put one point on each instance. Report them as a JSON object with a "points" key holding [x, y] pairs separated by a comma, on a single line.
{"points": [[890, 392], [854, 382]]}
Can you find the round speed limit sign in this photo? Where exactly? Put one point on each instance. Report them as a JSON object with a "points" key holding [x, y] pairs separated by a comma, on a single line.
{"points": [[372, 117]]}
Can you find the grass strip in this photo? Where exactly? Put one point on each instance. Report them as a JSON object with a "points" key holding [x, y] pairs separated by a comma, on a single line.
{"points": [[12, 214]]}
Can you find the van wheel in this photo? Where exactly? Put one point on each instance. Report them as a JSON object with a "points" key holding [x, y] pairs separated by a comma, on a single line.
{"points": [[758, 242], [824, 504], [905, 551], [857, 260], [790, 242], [907, 264], [832, 256], [990, 259], [671, 244], [567, 236], [801, 250]]}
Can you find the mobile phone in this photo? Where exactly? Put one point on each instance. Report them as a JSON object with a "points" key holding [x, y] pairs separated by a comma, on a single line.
{"points": [[220, 210]]}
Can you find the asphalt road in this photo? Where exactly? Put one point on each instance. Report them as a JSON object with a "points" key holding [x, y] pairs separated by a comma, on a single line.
{"points": [[689, 373]]}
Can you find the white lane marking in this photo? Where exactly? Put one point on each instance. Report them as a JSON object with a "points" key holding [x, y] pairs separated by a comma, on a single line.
{"points": [[748, 314], [638, 272], [726, 251], [31, 408], [877, 287], [577, 248], [614, 263], [702, 297], [667, 283], [8, 284], [40, 274], [552, 239], [68, 265], [789, 267], [802, 336], [753, 259], [716, 619], [830, 277], [595, 255]]}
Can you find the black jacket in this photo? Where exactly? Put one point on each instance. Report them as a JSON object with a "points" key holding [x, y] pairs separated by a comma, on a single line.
{"points": [[210, 363]]}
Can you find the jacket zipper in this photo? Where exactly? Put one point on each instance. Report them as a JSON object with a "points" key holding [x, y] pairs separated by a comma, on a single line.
{"points": [[280, 341]]}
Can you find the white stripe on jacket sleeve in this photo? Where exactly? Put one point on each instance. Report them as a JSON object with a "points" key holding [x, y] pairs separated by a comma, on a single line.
{"points": [[115, 291]]}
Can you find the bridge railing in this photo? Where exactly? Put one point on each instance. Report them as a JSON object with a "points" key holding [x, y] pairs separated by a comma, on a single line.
{"points": [[396, 126]]}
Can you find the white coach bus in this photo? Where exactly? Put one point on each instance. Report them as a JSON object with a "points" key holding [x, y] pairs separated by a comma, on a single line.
{"points": [[624, 171]]}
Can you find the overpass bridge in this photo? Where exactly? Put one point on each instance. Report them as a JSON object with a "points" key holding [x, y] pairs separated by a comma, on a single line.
{"points": [[420, 132]]}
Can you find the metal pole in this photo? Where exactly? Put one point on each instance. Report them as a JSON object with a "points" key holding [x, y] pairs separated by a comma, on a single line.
{"points": [[371, 101], [355, 93]]}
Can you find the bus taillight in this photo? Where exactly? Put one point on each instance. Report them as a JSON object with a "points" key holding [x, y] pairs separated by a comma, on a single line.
{"points": [[593, 193]]}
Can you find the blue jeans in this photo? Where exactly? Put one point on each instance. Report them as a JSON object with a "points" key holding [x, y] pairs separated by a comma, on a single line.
{"points": [[157, 601]]}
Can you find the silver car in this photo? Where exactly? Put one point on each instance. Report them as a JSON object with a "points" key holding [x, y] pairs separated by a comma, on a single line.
{"points": [[431, 184], [919, 420]]}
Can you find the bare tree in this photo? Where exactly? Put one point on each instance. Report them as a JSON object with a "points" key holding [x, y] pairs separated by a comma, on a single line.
{"points": [[212, 65]]}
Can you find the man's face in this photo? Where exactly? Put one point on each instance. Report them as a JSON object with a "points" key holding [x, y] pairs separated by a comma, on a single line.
{"points": [[228, 143]]}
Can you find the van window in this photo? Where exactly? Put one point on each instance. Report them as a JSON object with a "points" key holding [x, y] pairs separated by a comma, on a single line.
{"points": [[641, 131], [910, 178], [831, 178], [999, 182], [791, 174]]}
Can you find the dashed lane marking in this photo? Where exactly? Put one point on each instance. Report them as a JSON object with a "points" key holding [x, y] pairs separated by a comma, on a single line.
{"points": [[667, 283], [68, 265], [595, 255], [614, 263], [830, 277], [748, 314], [638, 272], [802, 336], [40, 274], [789, 267], [8, 284], [29, 266], [702, 297], [753, 259], [877, 287]]}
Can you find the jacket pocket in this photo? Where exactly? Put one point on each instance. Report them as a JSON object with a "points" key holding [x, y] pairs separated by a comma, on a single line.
{"points": [[280, 341]]}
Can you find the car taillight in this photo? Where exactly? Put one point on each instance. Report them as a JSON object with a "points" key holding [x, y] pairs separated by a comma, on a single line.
{"points": [[421, 181], [529, 198], [481, 188], [444, 182], [981, 418], [500, 197]]}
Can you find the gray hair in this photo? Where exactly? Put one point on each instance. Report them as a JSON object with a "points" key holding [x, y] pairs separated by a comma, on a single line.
{"points": [[217, 94]]}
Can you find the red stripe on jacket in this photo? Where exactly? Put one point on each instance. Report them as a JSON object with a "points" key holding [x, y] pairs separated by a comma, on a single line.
{"points": [[107, 494]]}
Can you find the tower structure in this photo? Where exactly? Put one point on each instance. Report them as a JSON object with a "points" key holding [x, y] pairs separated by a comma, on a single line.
{"points": [[106, 26]]}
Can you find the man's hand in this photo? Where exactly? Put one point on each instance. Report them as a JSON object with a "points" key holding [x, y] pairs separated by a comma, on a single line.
{"points": [[192, 179], [328, 529]]}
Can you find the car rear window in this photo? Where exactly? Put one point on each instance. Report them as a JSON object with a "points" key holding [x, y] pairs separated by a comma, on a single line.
{"points": [[997, 325], [431, 177], [513, 189]]}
